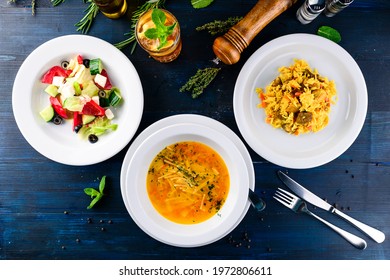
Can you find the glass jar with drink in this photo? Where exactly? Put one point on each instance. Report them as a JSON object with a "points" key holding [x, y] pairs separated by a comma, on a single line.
{"points": [[158, 32]]}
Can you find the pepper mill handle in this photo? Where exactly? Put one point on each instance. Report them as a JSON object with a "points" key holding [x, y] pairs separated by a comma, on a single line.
{"points": [[229, 47]]}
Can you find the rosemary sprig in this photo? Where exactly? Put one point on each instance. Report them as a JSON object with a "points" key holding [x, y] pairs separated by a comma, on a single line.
{"points": [[197, 83], [219, 26], [90, 13], [56, 2], [148, 5]]}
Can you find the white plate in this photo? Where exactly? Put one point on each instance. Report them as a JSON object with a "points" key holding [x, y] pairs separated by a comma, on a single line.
{"points": [[175, 129], [60, 143], [347, 116]]}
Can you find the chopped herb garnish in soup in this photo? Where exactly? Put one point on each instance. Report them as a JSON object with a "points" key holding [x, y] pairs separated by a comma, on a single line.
{"points": [[188, 182]]}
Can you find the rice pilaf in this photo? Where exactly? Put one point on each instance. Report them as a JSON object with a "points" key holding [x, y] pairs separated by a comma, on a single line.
{"points": [[298, 100]]}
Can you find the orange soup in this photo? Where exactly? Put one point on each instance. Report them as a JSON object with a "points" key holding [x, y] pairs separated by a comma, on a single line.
{"points": [[188, 182]]}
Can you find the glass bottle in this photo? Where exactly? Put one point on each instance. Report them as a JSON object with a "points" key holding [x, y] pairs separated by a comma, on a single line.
{"points": [[309, 10], [335, 6], [112, 8]]}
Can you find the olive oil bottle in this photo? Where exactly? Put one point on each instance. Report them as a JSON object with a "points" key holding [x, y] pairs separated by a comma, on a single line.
{"points": [[112, 8]]}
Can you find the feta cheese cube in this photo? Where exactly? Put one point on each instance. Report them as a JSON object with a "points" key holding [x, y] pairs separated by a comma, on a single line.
{"points": [[109, 114], [96, 99], [100, 80], [58, 81]]}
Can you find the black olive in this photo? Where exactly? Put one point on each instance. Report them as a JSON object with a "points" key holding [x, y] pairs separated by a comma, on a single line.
{"points": [[86, 62], [57, 120], [102, 94], [77, 128], [65, 64], [93, 138]]}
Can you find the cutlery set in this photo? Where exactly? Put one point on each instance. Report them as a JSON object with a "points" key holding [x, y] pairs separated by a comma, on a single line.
{"points": [[297, 203]]}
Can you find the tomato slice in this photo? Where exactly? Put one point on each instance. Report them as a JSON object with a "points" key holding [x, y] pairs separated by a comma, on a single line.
{"points": [[55, 71], [58, 107], [92, 108]]}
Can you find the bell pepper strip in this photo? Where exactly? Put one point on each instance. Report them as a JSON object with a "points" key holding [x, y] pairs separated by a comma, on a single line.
{"points": [[58, 107], [55, 71], [80, 59], [91, 108], [77, 120]]}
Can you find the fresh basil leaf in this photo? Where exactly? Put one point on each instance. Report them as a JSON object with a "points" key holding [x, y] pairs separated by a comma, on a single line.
{"points": [[158, 18], [151, 33], [91, 192], [102, 184], [95, 200], [329, 33], [198, 4]]}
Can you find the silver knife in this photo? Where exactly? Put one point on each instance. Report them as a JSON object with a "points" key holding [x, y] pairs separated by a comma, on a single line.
{"points": [[310, 197]]}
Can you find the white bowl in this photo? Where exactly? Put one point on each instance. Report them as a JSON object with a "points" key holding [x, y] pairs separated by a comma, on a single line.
{"points": [[60, 143], [169, 131], [347, 116]]}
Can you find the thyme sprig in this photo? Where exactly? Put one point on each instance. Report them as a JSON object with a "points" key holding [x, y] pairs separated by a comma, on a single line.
{"points": [[90, 13], [148, 5], [197, 83], [219, 26]]}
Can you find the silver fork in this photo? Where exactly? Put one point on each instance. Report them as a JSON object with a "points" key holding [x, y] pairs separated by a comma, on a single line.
{"points": [[299, 206]]}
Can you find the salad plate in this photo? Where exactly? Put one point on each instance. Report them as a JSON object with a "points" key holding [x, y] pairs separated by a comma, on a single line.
{"points": [[59, 142], [186, 127], [346, 117]]}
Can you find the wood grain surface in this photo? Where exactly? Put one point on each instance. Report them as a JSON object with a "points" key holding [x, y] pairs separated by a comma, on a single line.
{"points": [[43, 211]]}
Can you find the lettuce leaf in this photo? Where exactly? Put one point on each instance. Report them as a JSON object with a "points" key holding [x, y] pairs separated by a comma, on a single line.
{"points": [[98, 127]]}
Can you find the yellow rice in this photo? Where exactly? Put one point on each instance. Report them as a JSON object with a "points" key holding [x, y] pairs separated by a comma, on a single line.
{"points": [[298, 100]]}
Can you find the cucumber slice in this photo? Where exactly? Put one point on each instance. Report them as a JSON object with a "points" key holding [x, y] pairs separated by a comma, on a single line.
{"points": [[47, 114], [95, 66], [87, 118], [51, 90], [104, 102], [115, 97]]}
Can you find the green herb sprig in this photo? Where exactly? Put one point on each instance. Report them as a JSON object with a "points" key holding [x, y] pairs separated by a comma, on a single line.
{"points": [[90, 13], [148, 5], [197, 83], [161, 31], [96, 195], [85, 23], [219, 26]]}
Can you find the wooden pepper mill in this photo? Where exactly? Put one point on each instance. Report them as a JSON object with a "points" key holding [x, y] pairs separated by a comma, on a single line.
{"points": [[229, 47]]}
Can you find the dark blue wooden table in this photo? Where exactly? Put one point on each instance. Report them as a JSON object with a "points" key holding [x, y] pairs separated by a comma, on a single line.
{"points": [[43, 211]]}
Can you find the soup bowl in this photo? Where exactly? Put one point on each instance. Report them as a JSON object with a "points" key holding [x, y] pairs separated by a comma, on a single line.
{"points": [[169, 131]]}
